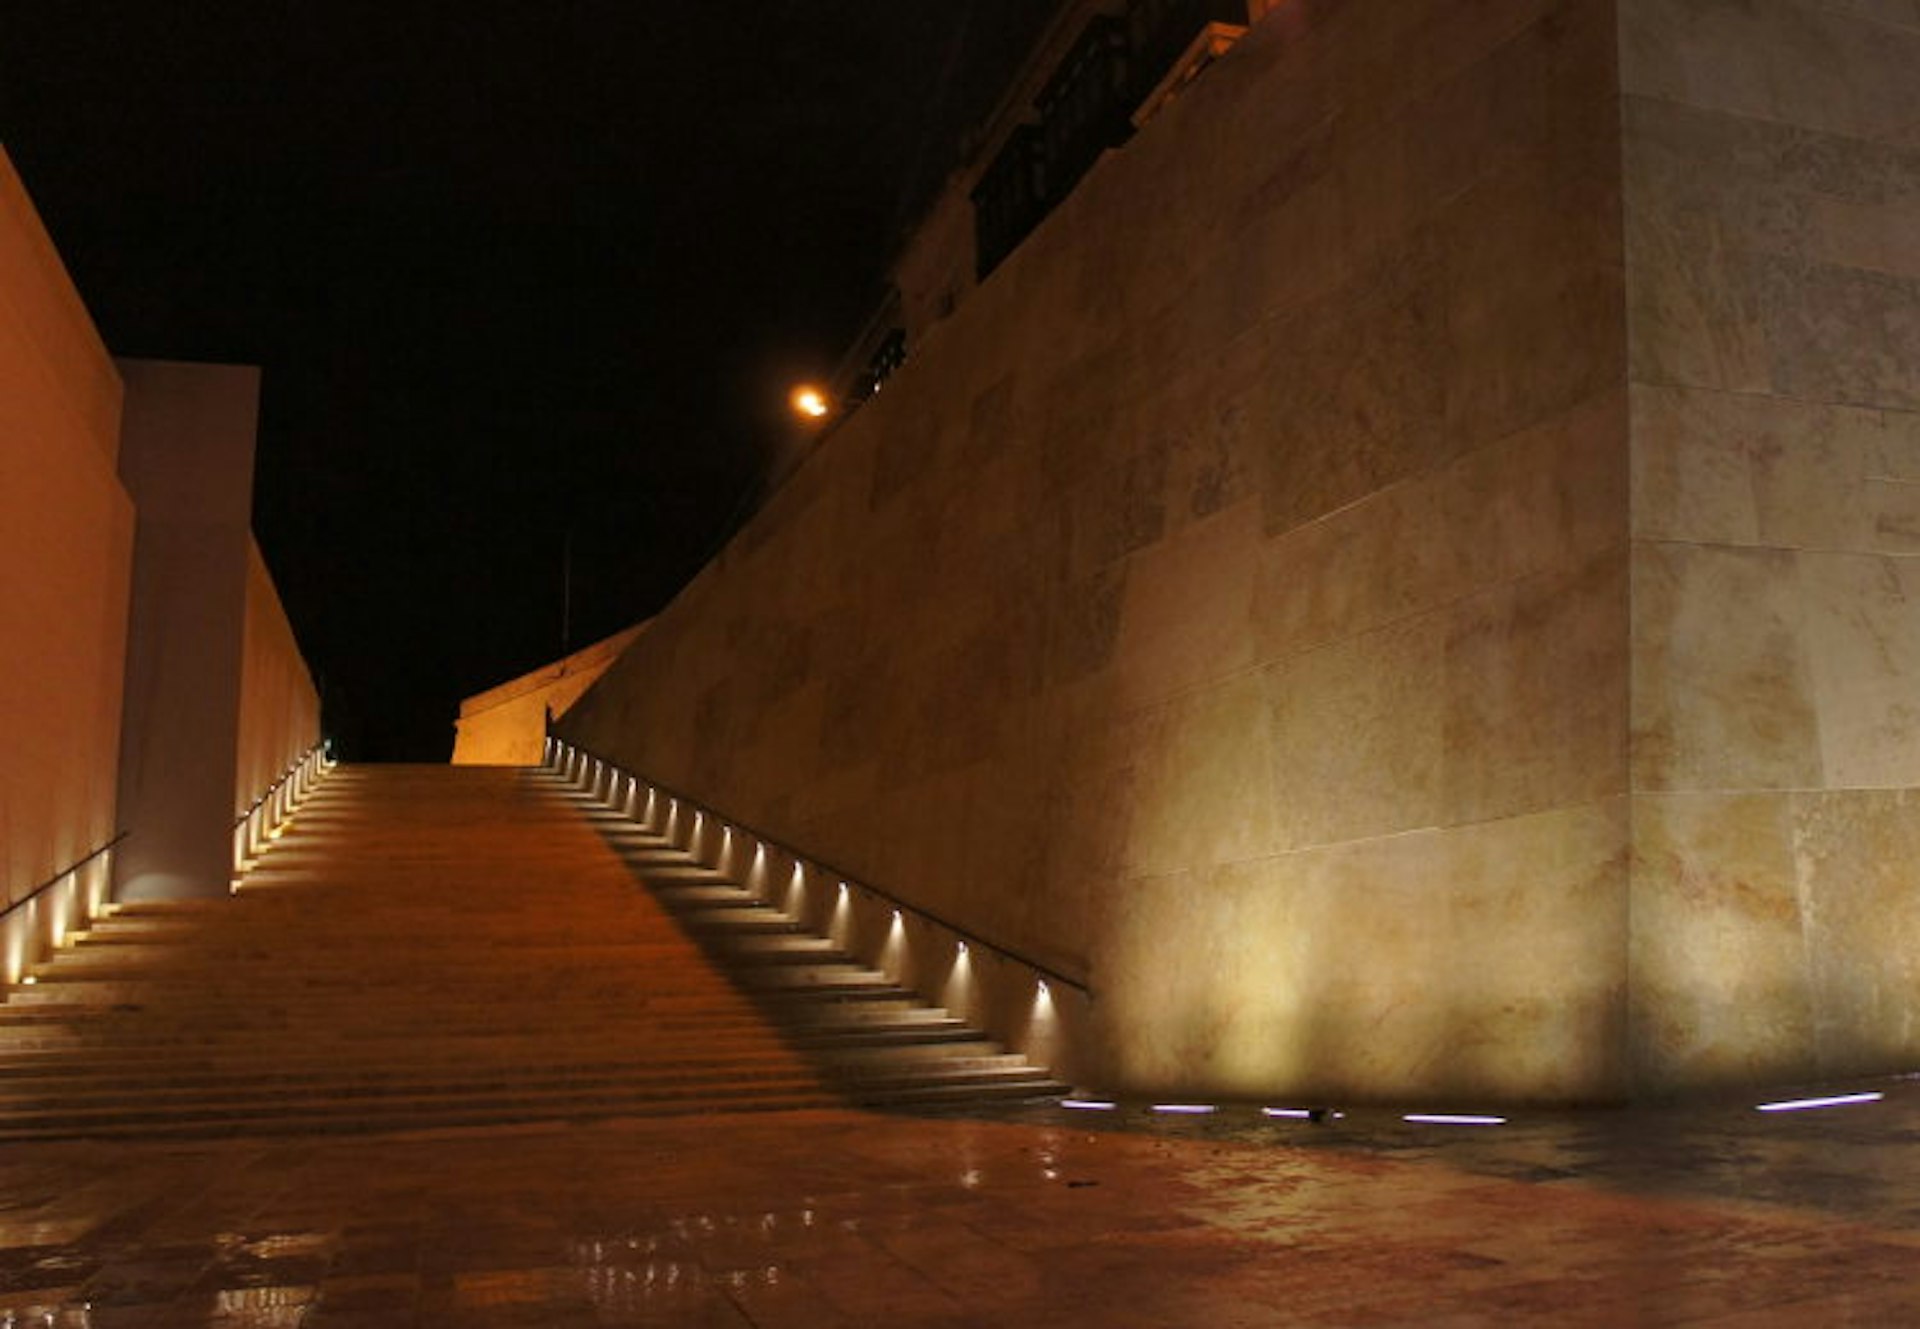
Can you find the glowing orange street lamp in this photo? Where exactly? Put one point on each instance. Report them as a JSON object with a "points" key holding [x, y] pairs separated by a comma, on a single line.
{"points": [[808, 402]]}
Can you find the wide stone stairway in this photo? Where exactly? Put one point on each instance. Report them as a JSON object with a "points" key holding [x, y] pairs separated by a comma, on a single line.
{"points": [[440, 946]]}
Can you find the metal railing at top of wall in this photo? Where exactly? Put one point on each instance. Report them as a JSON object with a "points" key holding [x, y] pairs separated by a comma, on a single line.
{"points": [[598, 777], [259, 825]]}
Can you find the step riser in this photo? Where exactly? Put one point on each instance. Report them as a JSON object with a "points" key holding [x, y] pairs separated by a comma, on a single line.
{"points": [[233, 1093]]}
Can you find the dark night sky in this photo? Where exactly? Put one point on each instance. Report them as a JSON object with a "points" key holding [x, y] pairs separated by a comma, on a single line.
{"points": [[513, 270]]}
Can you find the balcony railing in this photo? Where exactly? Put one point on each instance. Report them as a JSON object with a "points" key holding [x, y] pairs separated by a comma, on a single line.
{"points": [[1010, 198], [1085, 107]]}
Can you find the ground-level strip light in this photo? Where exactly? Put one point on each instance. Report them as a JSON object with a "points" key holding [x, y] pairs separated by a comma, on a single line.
{"points": [[1185, 1109], [1837, 1100], [1088, 1104], [1296, 1114], [1452, 1119]]}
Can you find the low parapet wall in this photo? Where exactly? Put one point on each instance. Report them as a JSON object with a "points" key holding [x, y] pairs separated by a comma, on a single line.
{"points": [[507, 725]]}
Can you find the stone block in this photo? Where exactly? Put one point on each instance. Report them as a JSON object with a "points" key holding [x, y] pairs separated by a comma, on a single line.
{"points": [[1856, 851], [1204, 790], [1547, 497], [1729, 468], [1359, 401], [1862, 619], [1536, 687], [1822, 66], [1359, 732], [1188, 608], [1842, 334], [1478, 963], [1718, 954], [1370, 563], [1722, 691]]}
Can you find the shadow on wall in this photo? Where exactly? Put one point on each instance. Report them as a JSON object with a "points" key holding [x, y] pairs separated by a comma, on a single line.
{"points": [[1027, 1008], [507, 725]]}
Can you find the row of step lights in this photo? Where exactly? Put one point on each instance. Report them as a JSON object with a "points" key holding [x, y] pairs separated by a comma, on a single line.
{"points": [[877, 1042], [263, 823], [705, 898]]}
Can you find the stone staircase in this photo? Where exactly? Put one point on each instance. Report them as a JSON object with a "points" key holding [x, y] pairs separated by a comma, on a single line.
{"points": [[429, 947]]}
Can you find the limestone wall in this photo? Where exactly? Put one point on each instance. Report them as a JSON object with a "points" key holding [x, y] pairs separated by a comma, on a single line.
{"points": [[1228, 602], [187, 459], [279, 708], [507, 725], [66, 541], [1773, 188]]}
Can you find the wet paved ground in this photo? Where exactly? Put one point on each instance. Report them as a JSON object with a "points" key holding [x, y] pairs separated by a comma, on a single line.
{"points": [[1715, 1216]]}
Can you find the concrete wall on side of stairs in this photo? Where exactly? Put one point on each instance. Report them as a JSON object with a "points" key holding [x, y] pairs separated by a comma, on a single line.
{"points": [[1227, 603], [66, 550], [187, 459], [279, 708], [1773, 206], [150, 685], [507, 725]]}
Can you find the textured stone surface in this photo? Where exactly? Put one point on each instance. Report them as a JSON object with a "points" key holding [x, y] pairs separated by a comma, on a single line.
{"points": [[1455, 469], [1856, 852], [1722, 691], [278, 703], [1239, 569], [1719, 953], [186, 459], [1491, 967], [66, 550], [1772, 181]]}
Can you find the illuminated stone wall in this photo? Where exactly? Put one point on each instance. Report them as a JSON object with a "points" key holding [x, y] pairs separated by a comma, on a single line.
{"points": [[187, 460], [66, 545], [507, 725], [155, 721], [1773, 187], [1228, 602], [279, 708]]}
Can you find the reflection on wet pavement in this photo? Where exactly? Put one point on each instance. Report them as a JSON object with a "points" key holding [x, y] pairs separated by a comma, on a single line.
{"points": [[1713, 1216]]}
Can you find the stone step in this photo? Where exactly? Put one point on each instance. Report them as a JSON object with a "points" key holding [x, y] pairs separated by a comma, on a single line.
{"points": [[74, 1052], [423, 948], [321, 1116], [117, 1046], [320, 1119], [677, 898], [257, 962], [21, 1090], [739, 922], [667, 1010]]}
